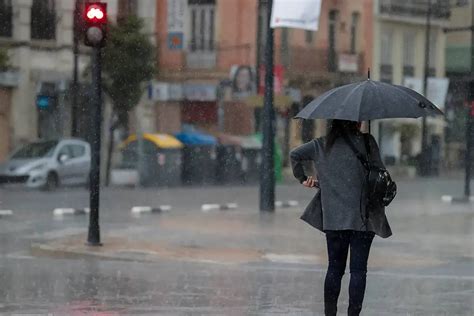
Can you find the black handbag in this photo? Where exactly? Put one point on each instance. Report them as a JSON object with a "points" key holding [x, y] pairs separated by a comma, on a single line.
{"points": [[381, 189]]}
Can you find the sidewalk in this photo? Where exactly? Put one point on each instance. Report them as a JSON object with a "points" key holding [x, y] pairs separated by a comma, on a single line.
{"points": [[227, 237]]}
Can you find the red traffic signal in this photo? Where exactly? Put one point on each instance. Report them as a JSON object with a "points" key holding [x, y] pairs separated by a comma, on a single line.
{"points": [[95, 18], [96, 13]]}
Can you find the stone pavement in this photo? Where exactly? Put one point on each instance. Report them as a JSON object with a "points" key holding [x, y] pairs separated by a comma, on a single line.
{"points": [[274, 264]]}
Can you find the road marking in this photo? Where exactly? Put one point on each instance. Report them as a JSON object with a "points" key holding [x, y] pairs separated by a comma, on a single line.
{"points": [[285, 204], [149, 209], [70, 211], [451, 199], [6, 212], [447, 198], [222, 207]]}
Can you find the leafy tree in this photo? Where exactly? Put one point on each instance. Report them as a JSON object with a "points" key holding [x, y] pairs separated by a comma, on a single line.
{"points": [[128, 62], [4, 64]]}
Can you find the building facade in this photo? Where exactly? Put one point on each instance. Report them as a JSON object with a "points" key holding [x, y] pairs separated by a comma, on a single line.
{"points": [[399, 58], [38, 35], [459, 72], [207, 48]]}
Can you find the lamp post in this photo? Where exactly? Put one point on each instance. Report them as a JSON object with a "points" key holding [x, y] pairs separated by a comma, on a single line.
{"points": [[267, 174]]}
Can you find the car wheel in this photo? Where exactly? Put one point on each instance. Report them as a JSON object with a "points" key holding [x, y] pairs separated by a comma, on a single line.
{"points": [[52, 182]]}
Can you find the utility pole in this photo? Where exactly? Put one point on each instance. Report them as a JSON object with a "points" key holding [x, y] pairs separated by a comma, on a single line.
{"points": [[470, 112], [470, 116], [96, 33], [77, 28], [425, 165], [267, 174]]}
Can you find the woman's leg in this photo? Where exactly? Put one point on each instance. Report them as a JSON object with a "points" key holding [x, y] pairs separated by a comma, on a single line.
{"points": [[338, 247], [360, 246]]}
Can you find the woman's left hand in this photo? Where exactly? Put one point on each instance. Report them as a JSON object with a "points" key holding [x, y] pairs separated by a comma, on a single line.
{"points": [[311, 182]]}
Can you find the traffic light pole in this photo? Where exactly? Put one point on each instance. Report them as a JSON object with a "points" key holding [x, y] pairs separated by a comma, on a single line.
{"points": [[425, 166], [470, 114], [267, 174], [93, 238], [75, 75], [470, 118]]}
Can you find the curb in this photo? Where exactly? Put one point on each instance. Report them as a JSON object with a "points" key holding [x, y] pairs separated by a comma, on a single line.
{"points": [[286, 204], [452, 199], [6, 213], [221, 207], [149, 209], [70, 211]]}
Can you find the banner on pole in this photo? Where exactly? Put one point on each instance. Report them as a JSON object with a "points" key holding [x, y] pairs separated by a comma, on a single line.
{"points": [[299, 14]]}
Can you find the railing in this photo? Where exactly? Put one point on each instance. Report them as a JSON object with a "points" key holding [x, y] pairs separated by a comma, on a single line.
{"points": [[440, 9]]}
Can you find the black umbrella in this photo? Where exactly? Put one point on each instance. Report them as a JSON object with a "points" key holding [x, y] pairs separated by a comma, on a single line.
{"points": [[369, 100]]}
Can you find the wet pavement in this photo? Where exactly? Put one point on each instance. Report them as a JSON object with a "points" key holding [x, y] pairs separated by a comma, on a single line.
{"points": [[236, 262]]}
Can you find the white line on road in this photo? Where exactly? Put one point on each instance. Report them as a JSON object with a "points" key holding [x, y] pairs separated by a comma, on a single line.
{"points": [[452, 199], [149, 209], [70, 211], [222, 207], [63, 211], [290, 203], [6, 212]]}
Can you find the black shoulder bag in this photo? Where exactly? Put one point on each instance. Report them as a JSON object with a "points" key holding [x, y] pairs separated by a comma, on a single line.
{"points": [[381, 189]]}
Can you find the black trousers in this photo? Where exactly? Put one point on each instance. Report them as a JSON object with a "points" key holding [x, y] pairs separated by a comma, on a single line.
{"points": [[338, 244]]}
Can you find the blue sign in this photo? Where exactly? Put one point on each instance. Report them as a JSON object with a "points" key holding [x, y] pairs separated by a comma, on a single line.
{"points": [[43, 102], [175, 41]]}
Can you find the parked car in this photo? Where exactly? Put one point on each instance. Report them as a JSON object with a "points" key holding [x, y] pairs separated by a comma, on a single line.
{"points": [[48, 164]]}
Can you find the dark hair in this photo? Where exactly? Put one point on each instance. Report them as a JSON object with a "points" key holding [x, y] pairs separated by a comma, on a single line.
{"points": [[249, 87], [339, 128]]}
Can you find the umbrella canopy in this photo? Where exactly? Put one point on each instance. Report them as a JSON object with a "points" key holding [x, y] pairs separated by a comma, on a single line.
{"points": [[369, 100]]}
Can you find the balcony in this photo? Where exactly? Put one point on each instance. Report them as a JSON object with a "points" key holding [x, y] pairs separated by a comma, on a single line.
{"points": [[305, 60], [415, 8], [201, 55]]}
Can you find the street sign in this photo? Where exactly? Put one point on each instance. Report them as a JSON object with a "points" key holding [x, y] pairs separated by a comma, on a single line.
{"points": [[175, 41]]}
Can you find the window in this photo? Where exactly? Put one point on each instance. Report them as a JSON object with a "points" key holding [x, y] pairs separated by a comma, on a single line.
{"points": [[127, 7], [333, 17], [354, 29], [202, 25], [6, 18], [386, 56], [66, 150], [78, 151], [409, 54], [43, 20], [309, 36]]}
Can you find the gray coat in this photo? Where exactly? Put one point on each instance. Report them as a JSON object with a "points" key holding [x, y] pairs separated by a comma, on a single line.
{"points": [[340, 202]]}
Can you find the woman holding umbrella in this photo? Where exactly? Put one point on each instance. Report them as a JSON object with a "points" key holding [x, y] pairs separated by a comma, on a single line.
{"points": [[340, 207]]}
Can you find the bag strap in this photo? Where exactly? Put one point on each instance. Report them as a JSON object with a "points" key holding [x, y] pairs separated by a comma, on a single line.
{"points": [[359, 155]]}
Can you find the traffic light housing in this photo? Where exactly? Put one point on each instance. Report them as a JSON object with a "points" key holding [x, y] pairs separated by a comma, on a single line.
{"points": [[95, 21]]}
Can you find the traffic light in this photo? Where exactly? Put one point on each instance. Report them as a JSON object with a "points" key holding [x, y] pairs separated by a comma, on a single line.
{"points": [[95, 18]]}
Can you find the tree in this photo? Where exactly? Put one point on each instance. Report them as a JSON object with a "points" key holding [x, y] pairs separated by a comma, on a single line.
{"points": [[4, 64], [128, 62]]}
